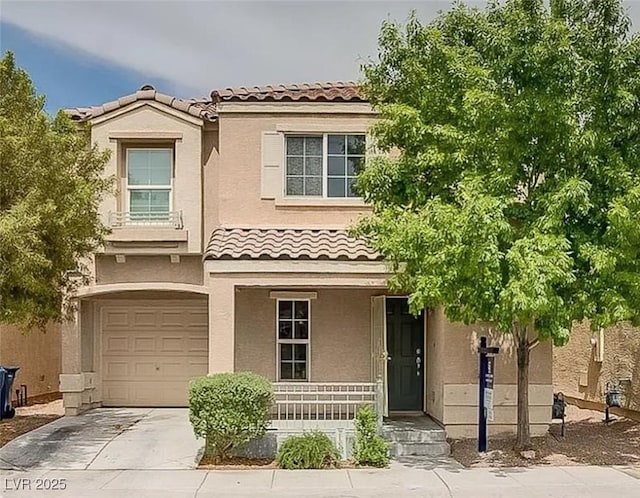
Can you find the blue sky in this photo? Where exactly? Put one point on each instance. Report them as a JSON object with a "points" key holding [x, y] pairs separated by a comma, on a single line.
{"points": [[67, 77], [82, 53]]}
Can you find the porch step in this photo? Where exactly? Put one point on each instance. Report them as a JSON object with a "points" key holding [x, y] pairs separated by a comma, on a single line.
{"points": [[415, 436], [419, 449]]}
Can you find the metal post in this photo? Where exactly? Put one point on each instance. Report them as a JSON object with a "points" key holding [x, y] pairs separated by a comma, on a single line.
{"points": [[482, 411]]}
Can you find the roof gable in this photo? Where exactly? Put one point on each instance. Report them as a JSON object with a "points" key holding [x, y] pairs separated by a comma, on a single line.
{"points": [[199, 108]]}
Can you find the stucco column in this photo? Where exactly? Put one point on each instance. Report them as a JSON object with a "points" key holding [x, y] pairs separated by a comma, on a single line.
{"points": [[221, 325], [71, 380]]}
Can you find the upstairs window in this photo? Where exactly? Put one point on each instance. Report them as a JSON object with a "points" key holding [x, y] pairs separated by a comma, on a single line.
{"points": [[149, 174], [323, 165]]}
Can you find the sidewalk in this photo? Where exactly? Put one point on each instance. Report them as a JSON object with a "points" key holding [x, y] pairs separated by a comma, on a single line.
{"points": [[401, 480]]}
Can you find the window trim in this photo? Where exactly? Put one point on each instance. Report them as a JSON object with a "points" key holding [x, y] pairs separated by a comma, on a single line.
{"points": [[306, 341], [325, 167], [129, 188]]}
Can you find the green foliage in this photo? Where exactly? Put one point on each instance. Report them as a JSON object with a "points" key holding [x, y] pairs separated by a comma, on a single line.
{"points": [[370, 448], [514, 195], [51, 185], [311, 450], [229, 409]]}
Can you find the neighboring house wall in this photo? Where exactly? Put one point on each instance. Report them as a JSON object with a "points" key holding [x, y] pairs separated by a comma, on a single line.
{"points": [[37, 353], [578, 374], [340, 334]]}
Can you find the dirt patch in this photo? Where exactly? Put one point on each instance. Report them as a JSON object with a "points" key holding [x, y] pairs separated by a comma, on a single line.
{"points": [[14, 427], [244, 463], [46, 408], [588, 441], [236, 463]]}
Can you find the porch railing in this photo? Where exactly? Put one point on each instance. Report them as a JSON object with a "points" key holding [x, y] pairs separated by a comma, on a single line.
{"points": [[319, 401], [171, 219]]}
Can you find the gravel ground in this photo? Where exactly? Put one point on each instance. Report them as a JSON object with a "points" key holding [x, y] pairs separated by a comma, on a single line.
{"points": [[588, 441]]}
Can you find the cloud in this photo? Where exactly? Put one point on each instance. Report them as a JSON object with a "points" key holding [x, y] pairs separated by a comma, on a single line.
{"points": [[198, 46], [201, 45]]}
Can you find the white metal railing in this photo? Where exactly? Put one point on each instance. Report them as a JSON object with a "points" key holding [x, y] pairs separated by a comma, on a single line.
{"points": [[324, 401], [171, 219]]}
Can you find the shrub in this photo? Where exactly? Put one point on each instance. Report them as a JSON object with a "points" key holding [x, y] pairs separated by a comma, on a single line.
{"points": [[369, 448], [311, 450], [229, 409]]}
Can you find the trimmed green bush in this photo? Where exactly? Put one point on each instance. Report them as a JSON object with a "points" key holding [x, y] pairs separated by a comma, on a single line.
{"points": [[311, 450], [229, 409], [370, 448]]}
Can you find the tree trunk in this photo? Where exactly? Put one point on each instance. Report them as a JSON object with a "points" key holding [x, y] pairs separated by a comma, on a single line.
{"points": [[523, 435]]}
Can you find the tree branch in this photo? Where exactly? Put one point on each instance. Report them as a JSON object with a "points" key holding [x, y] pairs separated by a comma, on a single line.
{"points": [[534, 343]]}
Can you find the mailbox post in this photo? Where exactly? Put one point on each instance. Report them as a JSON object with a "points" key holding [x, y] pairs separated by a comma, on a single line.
{"points": [[485, 405]]}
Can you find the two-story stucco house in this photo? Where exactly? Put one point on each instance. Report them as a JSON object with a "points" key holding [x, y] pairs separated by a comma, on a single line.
{"points": [[229, 251]]}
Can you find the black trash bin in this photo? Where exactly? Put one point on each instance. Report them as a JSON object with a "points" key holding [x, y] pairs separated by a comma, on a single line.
{"points": [[3, 379], [8, 374]]}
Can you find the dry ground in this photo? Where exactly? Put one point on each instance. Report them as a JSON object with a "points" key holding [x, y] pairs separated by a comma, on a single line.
{"points": [[28, 418], [588, 441], [237, 463]]}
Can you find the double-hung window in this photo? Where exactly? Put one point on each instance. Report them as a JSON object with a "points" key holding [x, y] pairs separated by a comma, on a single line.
{"points": [[323, 166], [293, 332], [149, 174]]}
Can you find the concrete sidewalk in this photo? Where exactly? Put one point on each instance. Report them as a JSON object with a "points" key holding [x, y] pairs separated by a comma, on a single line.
{"points": [[401, 480]]}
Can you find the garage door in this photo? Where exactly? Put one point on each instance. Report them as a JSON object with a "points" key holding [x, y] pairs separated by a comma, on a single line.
{"points": [[150, 351]]}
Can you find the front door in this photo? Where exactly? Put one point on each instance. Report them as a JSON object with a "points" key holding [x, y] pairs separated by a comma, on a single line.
{"points": [[405, 347]]}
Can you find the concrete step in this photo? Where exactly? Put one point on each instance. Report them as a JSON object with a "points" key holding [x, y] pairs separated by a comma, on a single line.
{"points": [[397, 449], [414, 436]]}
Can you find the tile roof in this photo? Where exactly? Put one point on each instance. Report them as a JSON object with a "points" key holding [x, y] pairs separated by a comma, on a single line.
{"points": [[342, 91], [287, 243], [339, 91], [200, 108]]}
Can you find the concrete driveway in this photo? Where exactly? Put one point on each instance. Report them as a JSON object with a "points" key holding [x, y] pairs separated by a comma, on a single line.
{"points": [[108, 439]]}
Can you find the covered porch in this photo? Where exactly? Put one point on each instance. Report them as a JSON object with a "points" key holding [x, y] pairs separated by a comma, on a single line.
{"points": [[304, 308]]}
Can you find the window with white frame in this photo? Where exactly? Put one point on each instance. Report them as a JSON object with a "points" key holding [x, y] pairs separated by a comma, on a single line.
{"points": [[323, 165], [293, 332], [149, 174]]}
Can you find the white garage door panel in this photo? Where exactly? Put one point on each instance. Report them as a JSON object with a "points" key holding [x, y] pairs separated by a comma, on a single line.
{"points": [[151, 351]]}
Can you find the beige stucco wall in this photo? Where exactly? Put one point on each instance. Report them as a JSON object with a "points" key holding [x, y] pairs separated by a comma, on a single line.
{"points": [[37, 353], [210, 175], [459, 412], [149, 269], [187, 195], [577, 374], [340, 334], [435, 364], [240, 168]]}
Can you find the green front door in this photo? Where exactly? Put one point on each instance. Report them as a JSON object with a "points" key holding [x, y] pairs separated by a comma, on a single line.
{"points": [[405, 347]]}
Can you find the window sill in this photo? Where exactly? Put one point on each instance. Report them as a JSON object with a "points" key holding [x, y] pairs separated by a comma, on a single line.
{"points": [[324, 202]]}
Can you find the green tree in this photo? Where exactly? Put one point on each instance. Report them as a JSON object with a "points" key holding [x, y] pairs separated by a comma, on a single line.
{"points": [[512, 195], [50, 189]]}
